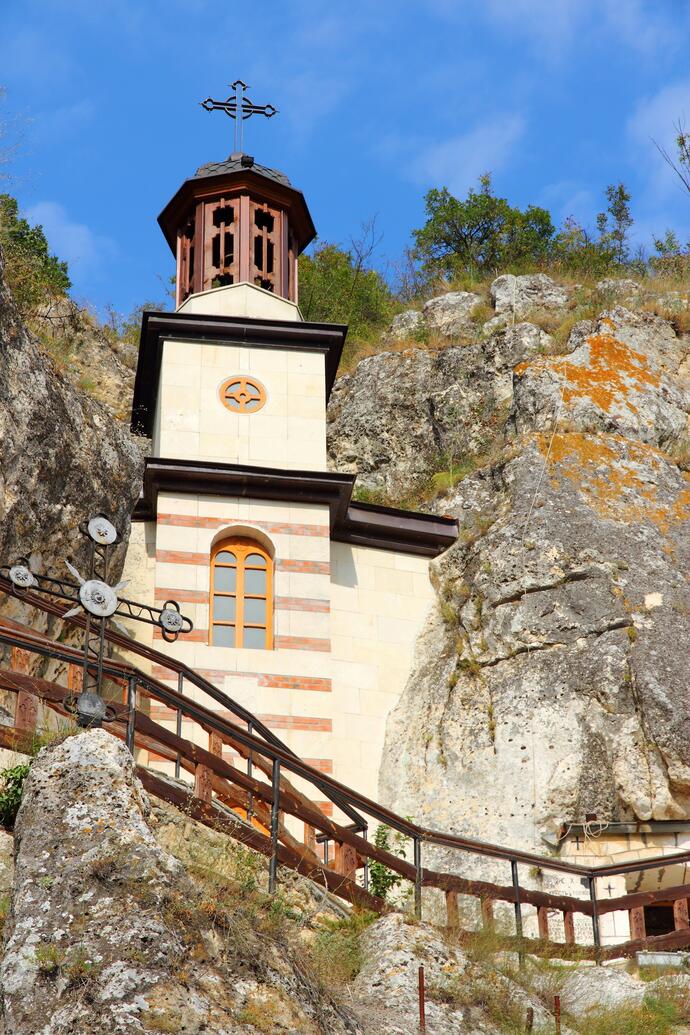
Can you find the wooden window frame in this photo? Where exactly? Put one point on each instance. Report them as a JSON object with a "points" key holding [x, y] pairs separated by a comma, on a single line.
{"points": [[242, 547]]}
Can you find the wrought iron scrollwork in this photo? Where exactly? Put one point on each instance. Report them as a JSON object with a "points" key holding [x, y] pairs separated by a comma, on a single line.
{"points": [[99, 602]]}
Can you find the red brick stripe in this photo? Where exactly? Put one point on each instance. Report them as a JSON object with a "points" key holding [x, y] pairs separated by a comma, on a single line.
{"points": [[281, 682], [200, 596], [324, 765], [315, 643], [309, 567], [301, 643], [282, 564], [187, 596], [278, 527], [296, 682], [182, 557], [195, 636], [302, 604], [281, 722]]}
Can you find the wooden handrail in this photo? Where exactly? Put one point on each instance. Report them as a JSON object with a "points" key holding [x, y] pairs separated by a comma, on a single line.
{"points": [[268, 801]]}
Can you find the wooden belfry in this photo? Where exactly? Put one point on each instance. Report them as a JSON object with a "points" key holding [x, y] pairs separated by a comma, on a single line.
{"points": [[236, 221]]}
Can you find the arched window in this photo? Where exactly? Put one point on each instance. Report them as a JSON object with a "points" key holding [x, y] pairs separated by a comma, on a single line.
{"points": [[241, 595]]}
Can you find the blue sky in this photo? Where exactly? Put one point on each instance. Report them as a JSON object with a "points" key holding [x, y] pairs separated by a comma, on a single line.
{"points": [[378, 101]]}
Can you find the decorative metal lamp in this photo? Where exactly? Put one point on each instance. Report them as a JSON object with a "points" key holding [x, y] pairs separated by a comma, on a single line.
{"points": [[100, 603]]}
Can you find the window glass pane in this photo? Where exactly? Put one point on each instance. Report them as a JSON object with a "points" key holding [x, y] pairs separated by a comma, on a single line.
{"points": [[225, 557], [224, 609], [225, 579], [255, 582], [252, 404], [224, 635], [254, 638], [255, 560], [235, 386], [255, 611]]}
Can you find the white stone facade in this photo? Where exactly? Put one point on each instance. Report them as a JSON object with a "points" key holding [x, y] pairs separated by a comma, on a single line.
{"points": [[346, 616]]}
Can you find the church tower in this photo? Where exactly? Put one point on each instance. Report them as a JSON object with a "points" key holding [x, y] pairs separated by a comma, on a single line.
{"points": [[237, 222], [306, 604]]}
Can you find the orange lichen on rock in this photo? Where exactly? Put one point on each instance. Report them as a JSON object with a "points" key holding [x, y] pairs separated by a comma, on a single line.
{"points": [[613, 371], [613, 476]]}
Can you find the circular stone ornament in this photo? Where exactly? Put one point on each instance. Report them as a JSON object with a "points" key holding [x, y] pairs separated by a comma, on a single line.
{"points": [[98, 598], [21, 576], [170, 618], [101, 530]]}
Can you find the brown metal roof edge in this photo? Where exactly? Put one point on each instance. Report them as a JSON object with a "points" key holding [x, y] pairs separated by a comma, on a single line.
{"points": [[327, 338], [368, 525]]}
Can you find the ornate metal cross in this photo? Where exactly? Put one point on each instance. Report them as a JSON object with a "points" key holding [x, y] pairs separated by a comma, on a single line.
{"points": [[240, 108], [100, 603]]}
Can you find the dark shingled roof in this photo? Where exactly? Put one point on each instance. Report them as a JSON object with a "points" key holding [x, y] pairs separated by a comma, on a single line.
{"points": [[240, 163]]}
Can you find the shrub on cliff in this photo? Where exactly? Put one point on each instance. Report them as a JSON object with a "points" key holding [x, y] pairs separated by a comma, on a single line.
{"points": [[33, 274]]}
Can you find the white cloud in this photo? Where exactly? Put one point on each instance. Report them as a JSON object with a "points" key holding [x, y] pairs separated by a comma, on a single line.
{"points": [[84, 250], [654, 119], [641, 25], [458, 162]]}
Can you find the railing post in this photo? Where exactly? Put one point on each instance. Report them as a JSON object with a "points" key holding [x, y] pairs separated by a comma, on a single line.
{"points": [[422, 997], [452, 914], [518, 909], [569, 927], [26, 705], [680, 914], [275, 813], [365, 834], [595, 918], [250, 799], [178, 725], [418, 878], [131, 711]]}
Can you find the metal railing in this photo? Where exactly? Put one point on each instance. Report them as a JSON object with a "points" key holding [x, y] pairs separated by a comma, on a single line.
{"points": [[252, 804]]}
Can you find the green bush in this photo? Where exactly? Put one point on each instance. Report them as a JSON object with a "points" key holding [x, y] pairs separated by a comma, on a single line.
{"points": [[337, 286], [33, 274], [11, 786], [481, 233], [383, 880]]}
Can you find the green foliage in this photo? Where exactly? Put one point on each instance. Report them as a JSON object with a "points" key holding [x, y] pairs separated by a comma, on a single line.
{"points": [[614, 224], [11, 786], [383, 880], [480, 234], [335, 954], [671, 259], [653, 1017], [33, 274], [337, 286]]}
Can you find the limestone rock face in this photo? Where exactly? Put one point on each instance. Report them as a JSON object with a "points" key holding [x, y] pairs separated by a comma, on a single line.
{"points": [[385, 992], [63, 455], [107, 933], [399, 412], [622, 287], [98, 361], [551, 681], [450, 314], [623, 378], [405, 326], [518, 295]]}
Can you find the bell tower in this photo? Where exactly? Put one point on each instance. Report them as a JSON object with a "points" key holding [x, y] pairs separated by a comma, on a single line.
{"points": [[237, 222]]}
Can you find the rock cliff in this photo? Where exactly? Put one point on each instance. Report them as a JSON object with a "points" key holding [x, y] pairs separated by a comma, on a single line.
{"points": [[551, 679], [63, 455], [107, 932]]}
